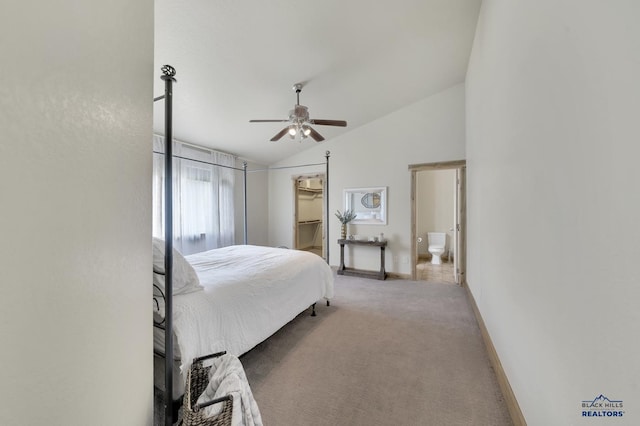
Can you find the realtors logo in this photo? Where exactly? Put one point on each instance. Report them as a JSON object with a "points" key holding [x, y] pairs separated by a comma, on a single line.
{"points": [[601, 406]]}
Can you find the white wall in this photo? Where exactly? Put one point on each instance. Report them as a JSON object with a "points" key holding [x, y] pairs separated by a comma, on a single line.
{"points": [[377, 154], [257, 205], [75, 216], [553, 204]]}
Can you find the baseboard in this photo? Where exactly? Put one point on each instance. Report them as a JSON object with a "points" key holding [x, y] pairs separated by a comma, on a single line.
{"points": [[510, 398], [393, 275], [425, 257], [398, 276]]}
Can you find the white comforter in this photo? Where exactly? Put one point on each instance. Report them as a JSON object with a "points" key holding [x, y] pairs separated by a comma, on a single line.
{"points": [[249, 293]]}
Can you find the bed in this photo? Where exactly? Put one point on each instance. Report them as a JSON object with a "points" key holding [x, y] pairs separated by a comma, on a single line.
{"points": [[257, 303], [239, 297]]}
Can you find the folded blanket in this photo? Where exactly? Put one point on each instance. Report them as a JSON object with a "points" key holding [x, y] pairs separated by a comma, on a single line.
{"points": [[227, 377]]}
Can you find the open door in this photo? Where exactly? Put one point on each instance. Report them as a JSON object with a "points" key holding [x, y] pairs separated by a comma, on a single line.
{"points": [[460, 228], [309, 214], [458, 238]]}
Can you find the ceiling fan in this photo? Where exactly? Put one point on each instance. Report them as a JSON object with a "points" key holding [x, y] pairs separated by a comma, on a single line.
{"points": [[300, 123]]}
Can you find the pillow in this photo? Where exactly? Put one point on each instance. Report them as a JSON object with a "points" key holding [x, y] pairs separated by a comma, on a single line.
{"points": [[185, 279]]}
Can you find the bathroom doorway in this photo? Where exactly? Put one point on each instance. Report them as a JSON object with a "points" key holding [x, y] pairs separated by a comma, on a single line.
{"points": [[309, 213], [437, 206]]}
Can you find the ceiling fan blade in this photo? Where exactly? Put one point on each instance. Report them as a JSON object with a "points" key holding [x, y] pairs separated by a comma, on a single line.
{"points": [[340, 123], [280, 134], [315, 135], [268, 121]]}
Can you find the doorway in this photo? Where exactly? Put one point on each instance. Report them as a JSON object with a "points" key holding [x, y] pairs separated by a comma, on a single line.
{"points": [[438, 207], [309, 214]]}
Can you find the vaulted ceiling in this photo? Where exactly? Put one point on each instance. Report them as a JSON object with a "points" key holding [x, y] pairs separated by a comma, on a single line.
{"points": [[358, 60]]}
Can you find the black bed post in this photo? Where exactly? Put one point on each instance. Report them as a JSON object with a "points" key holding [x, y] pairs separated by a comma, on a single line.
{"points": [[168, 77], [244, 192], [326, 198]]}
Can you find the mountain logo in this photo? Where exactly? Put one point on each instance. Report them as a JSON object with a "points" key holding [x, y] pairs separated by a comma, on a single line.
{"points": [[602, 401], [602, 406]]}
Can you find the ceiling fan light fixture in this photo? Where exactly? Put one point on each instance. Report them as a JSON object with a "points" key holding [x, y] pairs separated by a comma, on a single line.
{"points": [[300, 123]]}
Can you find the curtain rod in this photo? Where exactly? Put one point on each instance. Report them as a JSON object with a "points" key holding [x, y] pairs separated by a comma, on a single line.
{"points": [[196, 146], [285, 167], [201, 161]]}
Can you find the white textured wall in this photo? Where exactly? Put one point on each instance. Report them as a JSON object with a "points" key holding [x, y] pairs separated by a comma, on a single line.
{"points": [[553, 201], [75, 217], [257, 205], [377, 154]]}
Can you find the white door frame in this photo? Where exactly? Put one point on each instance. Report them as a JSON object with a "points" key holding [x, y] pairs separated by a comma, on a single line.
{"points": [[460, 225]]}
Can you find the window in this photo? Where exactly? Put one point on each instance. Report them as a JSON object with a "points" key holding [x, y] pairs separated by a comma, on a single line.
{"points": [[203, 210]]}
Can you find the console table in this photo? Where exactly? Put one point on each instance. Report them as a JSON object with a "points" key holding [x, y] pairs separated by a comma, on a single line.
{"points": [[342, 270]]}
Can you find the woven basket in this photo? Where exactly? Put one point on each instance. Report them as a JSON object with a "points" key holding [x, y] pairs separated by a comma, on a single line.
{"points": [[197, 381]]}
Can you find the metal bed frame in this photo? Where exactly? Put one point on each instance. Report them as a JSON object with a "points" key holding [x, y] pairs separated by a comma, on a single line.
{"points": [[171, 406]]}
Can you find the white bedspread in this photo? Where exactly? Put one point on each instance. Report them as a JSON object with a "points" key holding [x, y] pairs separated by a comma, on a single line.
{"points": [[249, 293]]}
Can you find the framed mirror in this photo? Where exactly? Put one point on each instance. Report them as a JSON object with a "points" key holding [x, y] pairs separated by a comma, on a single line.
{"points": [[369, 204]]}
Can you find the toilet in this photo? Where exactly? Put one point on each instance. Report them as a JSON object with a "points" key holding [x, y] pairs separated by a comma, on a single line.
{"points": [[437, 243]]}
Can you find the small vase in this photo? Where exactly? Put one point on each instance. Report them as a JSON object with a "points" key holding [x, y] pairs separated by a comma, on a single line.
{"points": [[343, 231]]}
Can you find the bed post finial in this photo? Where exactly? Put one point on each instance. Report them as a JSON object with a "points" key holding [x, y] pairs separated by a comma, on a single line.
{"points": [[168, 71]]}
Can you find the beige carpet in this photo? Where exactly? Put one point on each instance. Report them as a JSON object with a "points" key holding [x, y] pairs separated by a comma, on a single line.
{"points": [[388, 352]]}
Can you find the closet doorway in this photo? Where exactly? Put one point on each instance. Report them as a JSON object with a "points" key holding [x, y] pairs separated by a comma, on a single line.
{"points": [[438, 206], [309, 213]]}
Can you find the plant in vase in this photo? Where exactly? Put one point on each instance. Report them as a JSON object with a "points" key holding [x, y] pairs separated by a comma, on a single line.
{"points": [[345, 218]]}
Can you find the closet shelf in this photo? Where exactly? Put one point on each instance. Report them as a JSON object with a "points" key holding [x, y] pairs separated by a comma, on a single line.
{"points": [[312, 190], [309, 222]]}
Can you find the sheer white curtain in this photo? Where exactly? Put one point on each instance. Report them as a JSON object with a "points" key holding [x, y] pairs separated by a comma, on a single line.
{"points": [[203, 209]]}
